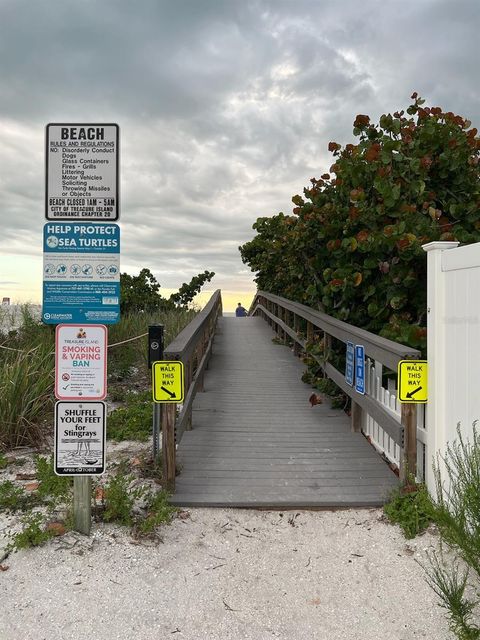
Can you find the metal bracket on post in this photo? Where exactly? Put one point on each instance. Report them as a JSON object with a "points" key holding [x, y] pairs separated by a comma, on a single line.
{"points": [[155, 353]]}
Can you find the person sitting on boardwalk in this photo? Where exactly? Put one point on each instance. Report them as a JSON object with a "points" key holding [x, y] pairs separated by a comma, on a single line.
{"points": [[240, 311]]}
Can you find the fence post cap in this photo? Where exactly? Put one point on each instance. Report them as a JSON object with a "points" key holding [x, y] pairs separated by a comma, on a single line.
{"points": [[439, 245]]}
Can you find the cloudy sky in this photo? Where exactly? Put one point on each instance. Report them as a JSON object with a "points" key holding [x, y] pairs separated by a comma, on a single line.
{"points": [[225, 108]]}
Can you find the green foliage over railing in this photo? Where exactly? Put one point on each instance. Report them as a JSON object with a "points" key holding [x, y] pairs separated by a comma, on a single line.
{"points": [[353, 244]]}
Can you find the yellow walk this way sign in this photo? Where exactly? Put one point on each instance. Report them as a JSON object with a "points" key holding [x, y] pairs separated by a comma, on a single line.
{"points": [[168, 381], [413, 381]]}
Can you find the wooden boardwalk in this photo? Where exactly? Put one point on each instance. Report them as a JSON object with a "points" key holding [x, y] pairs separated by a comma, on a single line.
{"points": [[257, 442]]}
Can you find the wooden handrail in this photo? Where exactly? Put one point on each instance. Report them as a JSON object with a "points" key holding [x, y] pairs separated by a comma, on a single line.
{"points": [[193, 347], [386, 351], [278, 310]]}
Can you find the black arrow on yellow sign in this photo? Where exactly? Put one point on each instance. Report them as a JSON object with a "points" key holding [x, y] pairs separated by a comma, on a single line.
{"points": [[410, 394], [172, 395]]}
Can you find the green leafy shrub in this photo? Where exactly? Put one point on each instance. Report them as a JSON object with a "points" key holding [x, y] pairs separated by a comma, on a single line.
{"points": [[12, 498], [353, 244], [411, 508], [141, 293], [119, 498], [133, 421], [33, 534]]}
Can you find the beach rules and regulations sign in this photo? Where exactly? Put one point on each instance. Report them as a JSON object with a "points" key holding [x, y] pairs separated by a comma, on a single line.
{"points": [[82, 165], [80, 362], [80, 436]]}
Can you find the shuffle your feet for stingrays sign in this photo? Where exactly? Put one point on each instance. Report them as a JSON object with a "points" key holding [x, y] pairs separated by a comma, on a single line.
{"points": [[79, 438]]}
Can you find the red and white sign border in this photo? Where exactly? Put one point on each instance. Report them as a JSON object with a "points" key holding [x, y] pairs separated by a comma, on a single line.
{"points": [[58, 394]]}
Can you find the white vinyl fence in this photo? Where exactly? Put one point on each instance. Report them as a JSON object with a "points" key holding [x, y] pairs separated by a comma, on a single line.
{"points": [[453, 307]]}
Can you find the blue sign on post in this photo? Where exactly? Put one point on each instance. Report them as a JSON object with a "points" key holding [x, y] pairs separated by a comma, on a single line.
{"points": [[350, 364], [81, 273], [360, 368]]}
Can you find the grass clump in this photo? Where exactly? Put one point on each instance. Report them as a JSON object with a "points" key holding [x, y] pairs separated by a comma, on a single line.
{"points": [[3, 461], [26, 380], [121, 504], [158, 512], [410, 506], [450, 584], [134, 420], [457, 516], [33, 534], [119, 498]]}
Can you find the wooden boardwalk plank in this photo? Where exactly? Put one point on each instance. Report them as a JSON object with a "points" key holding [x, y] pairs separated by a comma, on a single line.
{"points": [[257, 442]]}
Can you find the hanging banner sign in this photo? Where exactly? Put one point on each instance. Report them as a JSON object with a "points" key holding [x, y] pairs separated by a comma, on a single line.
{"points": [[81, 273], [80, 438], [82, 172], [80, 362]]}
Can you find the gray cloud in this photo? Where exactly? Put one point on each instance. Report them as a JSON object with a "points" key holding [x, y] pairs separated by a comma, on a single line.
{"points": [[226, 108]]}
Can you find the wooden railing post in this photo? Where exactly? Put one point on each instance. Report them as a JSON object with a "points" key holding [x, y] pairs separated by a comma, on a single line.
{"points": [[188, 382], [82, 504], [356, 417], [296, 326], [310, 332], [168, 445], [408, 467], [281, 315]]}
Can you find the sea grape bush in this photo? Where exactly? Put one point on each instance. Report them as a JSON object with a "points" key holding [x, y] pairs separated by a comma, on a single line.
{"points": [[353, 243]]}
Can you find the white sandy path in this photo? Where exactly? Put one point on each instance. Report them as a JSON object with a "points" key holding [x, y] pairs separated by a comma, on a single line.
{"points": [[227, 574]]}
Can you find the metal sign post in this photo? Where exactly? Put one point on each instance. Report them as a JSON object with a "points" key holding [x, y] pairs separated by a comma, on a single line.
{"points": [[155, 353], [81, 287]]}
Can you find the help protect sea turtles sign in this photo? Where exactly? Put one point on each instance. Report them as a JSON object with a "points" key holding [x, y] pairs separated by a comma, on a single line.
{"points": [[79, 438], [80, 362], [81, 273], [82, 172]]}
